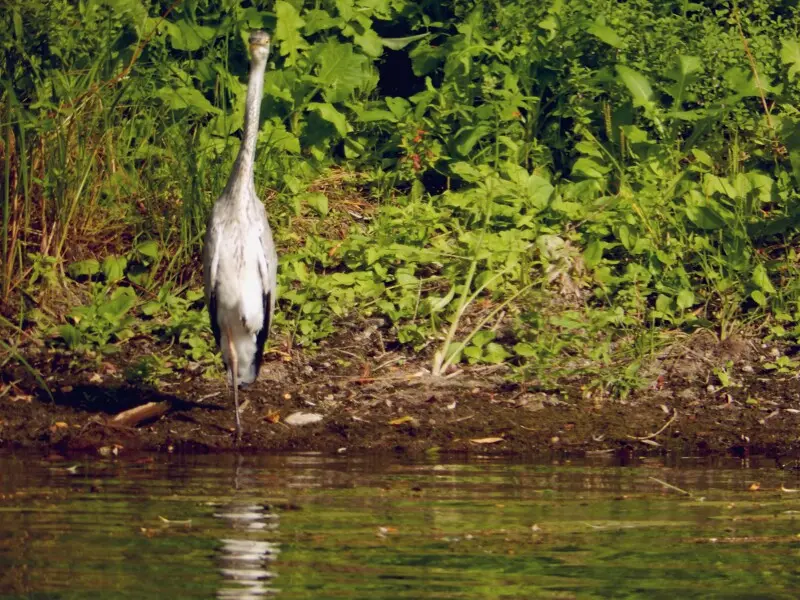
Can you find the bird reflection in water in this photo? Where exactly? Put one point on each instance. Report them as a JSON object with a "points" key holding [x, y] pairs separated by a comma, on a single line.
{"points": [[245, 557]]}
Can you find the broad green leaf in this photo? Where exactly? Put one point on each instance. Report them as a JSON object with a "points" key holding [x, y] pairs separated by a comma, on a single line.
{"points": [[114, 267], [341, 71], [467, 137], [605, 34], [683, 73], [398, 106], [790, 55], [186, 98], [402, 42], [151, 308], [83, 268], [328, 113], [664, 304], [318, 201], [705, 217], [317, 20], [483, 337], [587, 167], [495, 353], [71, 335], [685, 299], [275, 134], [759, 297], [703, 157], [374, 115], [438, 304], [524, 349], [287, 32], [149, 249], [761, 279], [370, 42], [593, 253], [122, 300], [185, 35], [637, 85]]}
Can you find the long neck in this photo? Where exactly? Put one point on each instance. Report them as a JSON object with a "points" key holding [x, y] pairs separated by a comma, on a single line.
{"points": [[243, 167]]}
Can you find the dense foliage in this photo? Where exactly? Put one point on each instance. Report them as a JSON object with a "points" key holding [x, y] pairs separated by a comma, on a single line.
{"points": [[545, 184]]}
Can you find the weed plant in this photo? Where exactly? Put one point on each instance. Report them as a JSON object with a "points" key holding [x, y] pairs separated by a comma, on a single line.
{"points": [[557, 186]]}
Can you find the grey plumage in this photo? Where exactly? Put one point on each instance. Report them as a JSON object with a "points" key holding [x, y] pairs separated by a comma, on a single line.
{"points": [[239, 259]]}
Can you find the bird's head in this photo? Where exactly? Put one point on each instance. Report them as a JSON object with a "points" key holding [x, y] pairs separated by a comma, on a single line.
{"points": [[259, 44]]}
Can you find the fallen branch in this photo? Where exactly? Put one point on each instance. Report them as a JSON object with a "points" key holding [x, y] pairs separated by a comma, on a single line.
{"points": [[132, 417]]}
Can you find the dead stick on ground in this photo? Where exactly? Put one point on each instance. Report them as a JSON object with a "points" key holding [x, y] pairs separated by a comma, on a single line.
{"points": [[134, 416], [652, 435]]}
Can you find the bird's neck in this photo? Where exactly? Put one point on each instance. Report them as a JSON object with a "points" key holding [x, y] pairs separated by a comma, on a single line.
{"points": [[247, 151]]}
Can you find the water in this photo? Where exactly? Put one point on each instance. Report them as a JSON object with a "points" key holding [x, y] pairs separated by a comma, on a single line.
{"points": [[309, 526]]}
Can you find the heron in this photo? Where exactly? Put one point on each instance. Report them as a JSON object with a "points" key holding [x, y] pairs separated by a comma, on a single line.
{"points": [[240, 262]]}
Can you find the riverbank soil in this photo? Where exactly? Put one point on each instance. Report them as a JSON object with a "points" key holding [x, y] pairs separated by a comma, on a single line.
{"points": [[352, 396]]}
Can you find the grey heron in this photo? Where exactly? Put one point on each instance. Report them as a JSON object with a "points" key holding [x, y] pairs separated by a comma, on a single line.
{"points": [[239, 259]]}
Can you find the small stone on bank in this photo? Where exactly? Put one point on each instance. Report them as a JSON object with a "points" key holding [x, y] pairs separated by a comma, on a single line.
{"points": [[302, 418]]}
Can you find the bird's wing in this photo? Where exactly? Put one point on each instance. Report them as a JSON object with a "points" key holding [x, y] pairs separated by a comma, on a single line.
{"points": [[268, 270], [210, 264]]}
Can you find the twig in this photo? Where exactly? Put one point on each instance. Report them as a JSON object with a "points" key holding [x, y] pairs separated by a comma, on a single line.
{"points": [[754, 68], [670, 486], [652, 435]]}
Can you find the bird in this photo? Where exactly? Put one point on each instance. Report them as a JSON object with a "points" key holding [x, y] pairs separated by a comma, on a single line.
{"points": [[240, 262]]}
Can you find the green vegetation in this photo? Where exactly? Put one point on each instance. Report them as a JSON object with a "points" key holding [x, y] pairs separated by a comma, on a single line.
{"points": [[558, 186]]}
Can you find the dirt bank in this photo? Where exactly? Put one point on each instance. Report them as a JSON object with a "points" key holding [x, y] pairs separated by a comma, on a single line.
{"points": [[366, 399]]}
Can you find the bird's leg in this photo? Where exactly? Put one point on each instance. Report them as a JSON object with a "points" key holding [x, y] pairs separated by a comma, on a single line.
{"points": [[235, 381]]}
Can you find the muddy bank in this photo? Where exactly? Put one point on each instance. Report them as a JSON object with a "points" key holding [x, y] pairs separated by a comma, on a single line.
{"points": [[363, 399]]}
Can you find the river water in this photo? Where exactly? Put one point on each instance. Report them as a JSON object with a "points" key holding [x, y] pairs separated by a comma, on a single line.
{"points": [[314, 526]]}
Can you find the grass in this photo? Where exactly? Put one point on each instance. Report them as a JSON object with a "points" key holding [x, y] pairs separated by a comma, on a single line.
{"points": [[540, 188]]}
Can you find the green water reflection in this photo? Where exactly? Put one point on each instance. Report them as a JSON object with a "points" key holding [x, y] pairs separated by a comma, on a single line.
{"points": [[308, 526]]}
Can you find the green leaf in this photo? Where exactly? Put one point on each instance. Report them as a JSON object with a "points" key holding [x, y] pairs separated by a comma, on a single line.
{"points": [[84, 268], [398, 106], [376, 115], [759, 297], [317, 20], [122, 300], [318, 201], [341, 71], [588, 167], [186, 98], [703, 157], [328, 113], [402, 42], [605, 34], [287, 32], [149, 249], [274, 133], [637, 85], [495, 353], [790, 55], [525, 349], [150, 308], [593, 253], [664, 304], [186, 35], [705, 217], [683, 73], [685, 299], [71, 335], [114, 267], [761, 279], [467, 137], [370, 42]]}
